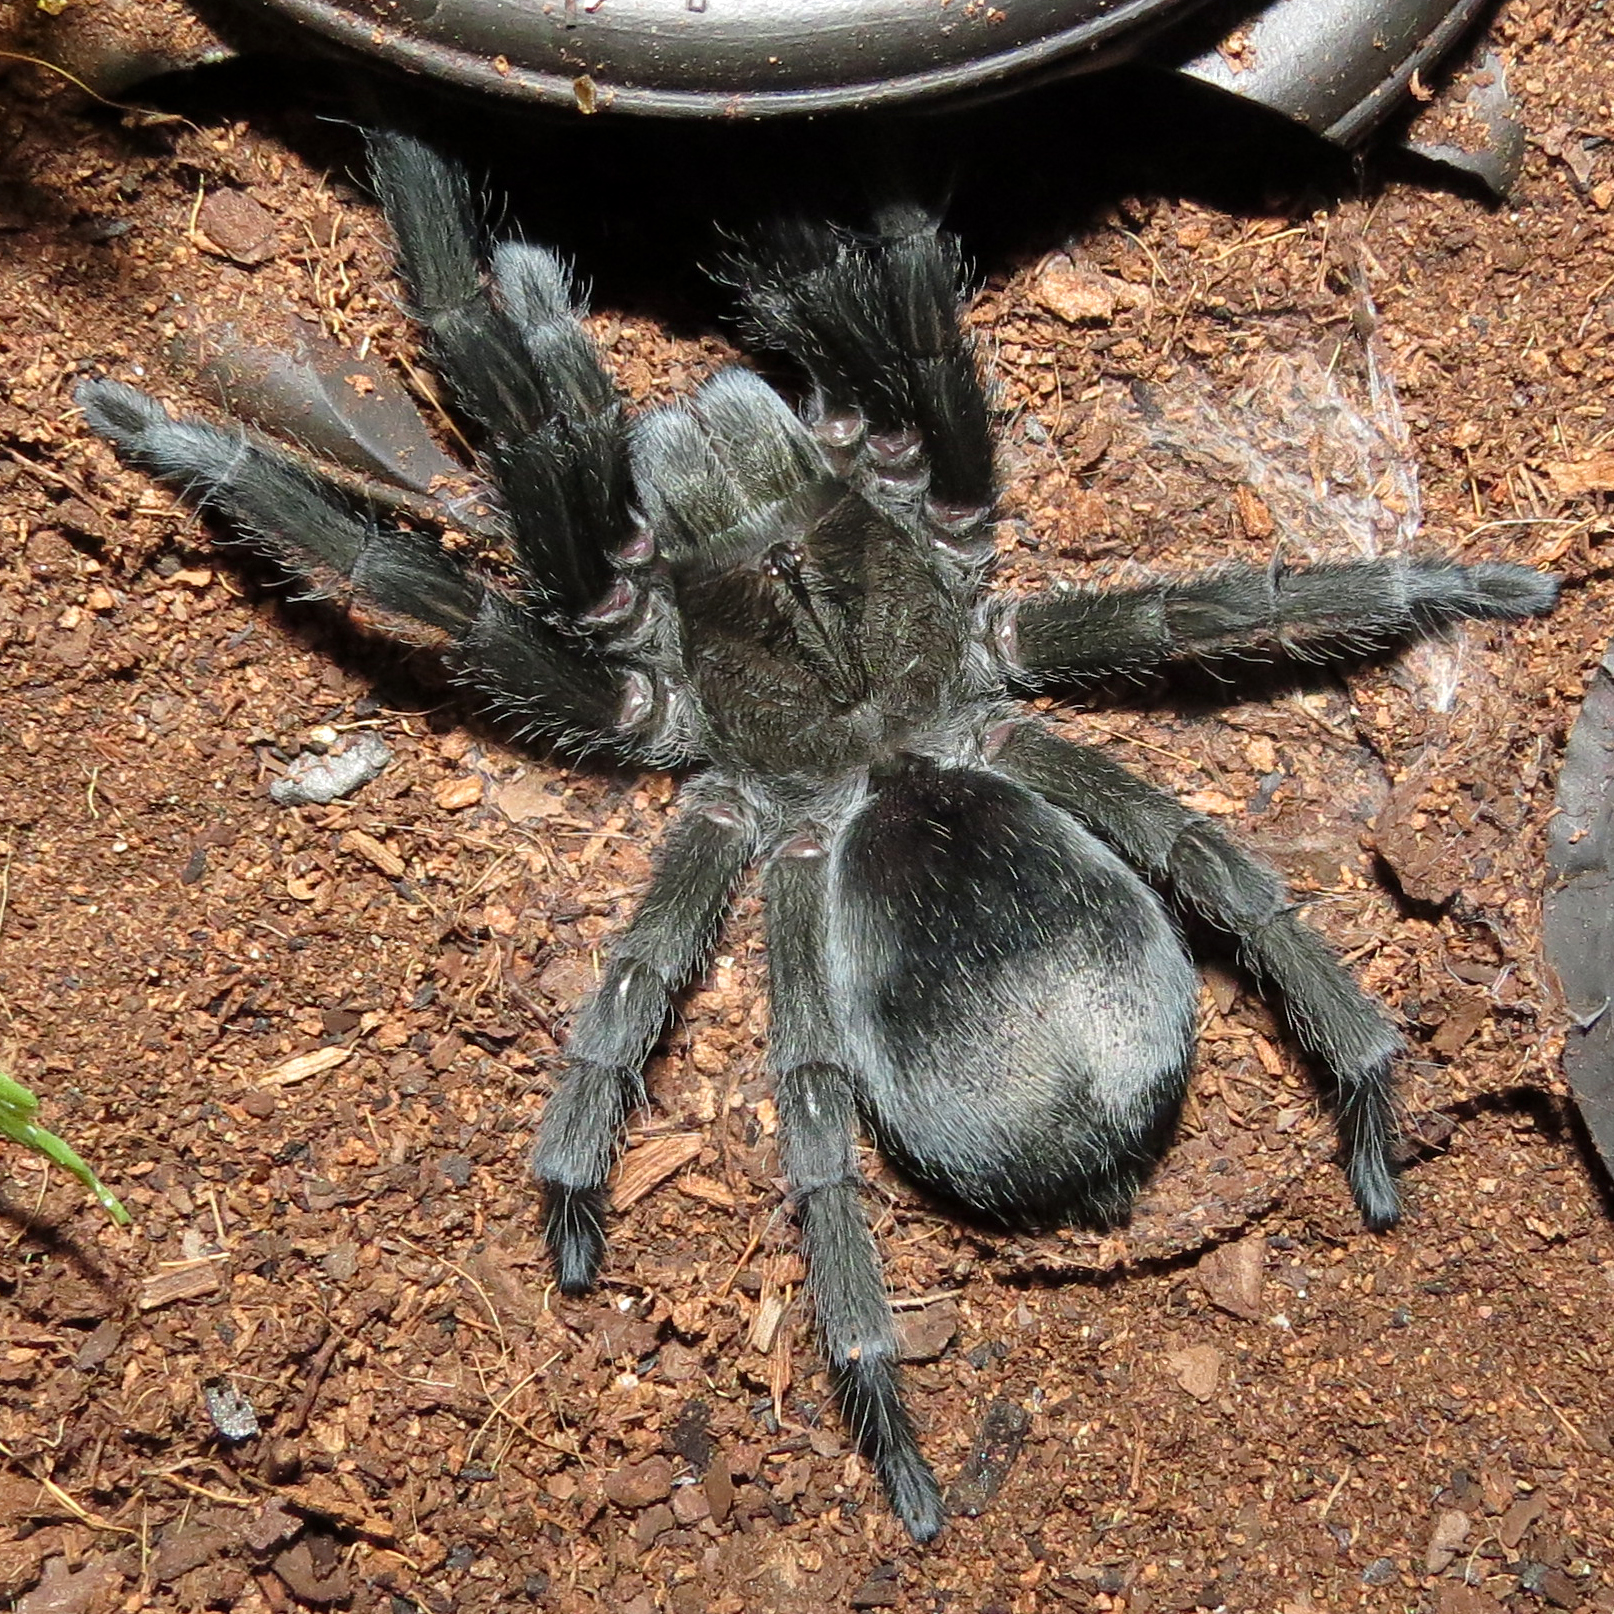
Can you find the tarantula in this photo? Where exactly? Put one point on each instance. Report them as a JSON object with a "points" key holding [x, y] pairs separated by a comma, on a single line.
{"points": [[973, 926]]}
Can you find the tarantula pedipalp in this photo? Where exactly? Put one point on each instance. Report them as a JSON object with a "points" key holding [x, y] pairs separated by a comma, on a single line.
{"points": [[973, 925]]}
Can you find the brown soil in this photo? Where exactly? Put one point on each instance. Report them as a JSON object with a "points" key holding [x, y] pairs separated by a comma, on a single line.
{"points": [[1242, 1402]]}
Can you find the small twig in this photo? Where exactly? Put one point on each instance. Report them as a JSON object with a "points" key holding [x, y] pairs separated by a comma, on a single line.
{"points": [[745, 1256], [79, 1512], [60, 478], [196, 209], [1136, 1473], [1333, 1495], [78, 83], [317, 1369], [914, 1302], [1148, 745], [1257, 241], [499, 1408], [204, 1492], [481, 1293], [1574, 1432]]}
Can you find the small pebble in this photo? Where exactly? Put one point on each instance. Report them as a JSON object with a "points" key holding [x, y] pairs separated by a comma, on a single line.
{"points": [[316, 780], [233, 225], [652, 1523], [457, 794], [230, 1411], [638, 1485]]}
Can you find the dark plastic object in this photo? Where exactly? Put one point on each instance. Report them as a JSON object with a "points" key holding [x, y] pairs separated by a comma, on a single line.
{"points": [[1337, 66], [349, 413], [1580, 906], [331, 403], [1497, 160], [735, 58]]}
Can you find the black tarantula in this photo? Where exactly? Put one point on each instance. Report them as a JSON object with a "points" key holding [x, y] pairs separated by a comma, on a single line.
{"points": [[973, 931]]}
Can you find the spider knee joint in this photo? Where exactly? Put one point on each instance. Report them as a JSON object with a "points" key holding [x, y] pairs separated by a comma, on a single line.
{"points": [[999, 737], [727, 815], [638, 700]]}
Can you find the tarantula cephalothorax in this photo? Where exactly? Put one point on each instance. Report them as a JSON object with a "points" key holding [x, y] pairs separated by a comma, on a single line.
{"points": [[971, 935]]}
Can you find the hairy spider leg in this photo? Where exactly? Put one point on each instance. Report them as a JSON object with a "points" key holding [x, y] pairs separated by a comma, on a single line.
{"points": [[553, 684], [1207, 876], [815, 1094], [670, 935], [522, 369], [1343, 611], [874, 319]]}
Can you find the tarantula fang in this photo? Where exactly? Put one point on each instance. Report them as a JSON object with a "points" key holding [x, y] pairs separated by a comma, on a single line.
{"points": [[973, 925]]}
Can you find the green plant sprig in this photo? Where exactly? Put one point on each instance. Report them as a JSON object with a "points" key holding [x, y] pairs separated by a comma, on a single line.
{"points": [[18, 1107]]}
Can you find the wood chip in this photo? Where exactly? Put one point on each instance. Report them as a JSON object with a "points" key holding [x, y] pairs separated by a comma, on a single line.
{"points": [[923, 1335], [1080, 292], [527, 798], [708, 1189], [320, 1581], [1231, 1276], [770, 1313], [719, 1487], [454, 795], [306, 1065], [651, 1163], [189, 1280], [1573, 478], [372, 851], [1197, 1369], [322, 1497], [1517, 1520], [1460, 1025], [1214, 803], [230, 224], [1254, 516], [1261, 753]]}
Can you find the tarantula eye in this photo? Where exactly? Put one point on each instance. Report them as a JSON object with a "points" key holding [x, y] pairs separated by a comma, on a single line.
{"points": [[638, 696], [808, 846], [783, 562], [616, 605]]}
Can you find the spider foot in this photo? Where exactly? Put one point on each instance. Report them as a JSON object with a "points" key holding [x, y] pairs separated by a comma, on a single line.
{"points": [[1493, 589], [574, 1230], [873, 1406], [1368, 1133], [1373, 1187]]}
